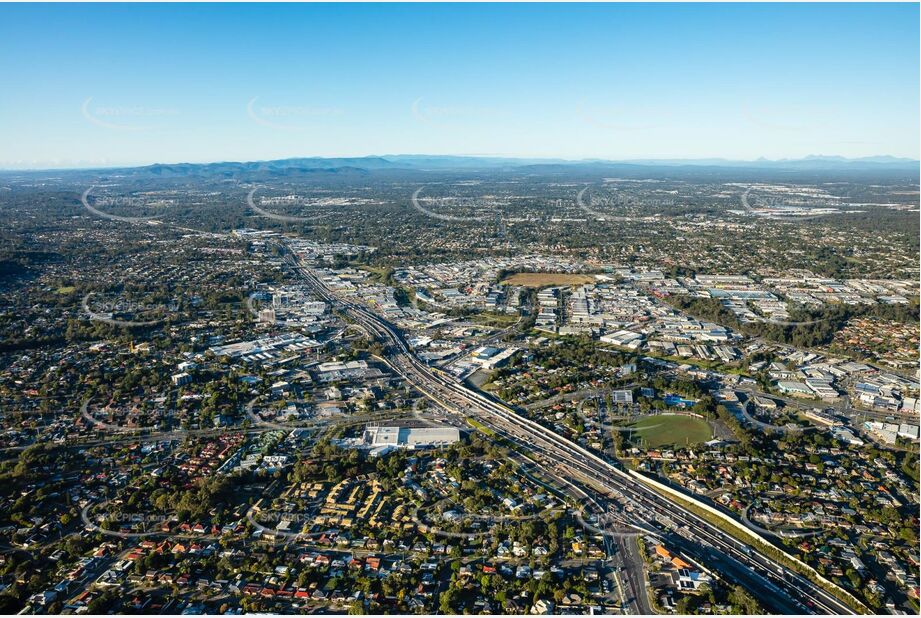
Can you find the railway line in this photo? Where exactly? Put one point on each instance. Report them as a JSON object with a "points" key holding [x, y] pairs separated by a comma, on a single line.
{"points": [[777, 586]]}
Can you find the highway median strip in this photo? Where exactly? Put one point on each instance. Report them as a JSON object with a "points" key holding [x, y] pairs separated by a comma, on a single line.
{"points": [[740, 532]]}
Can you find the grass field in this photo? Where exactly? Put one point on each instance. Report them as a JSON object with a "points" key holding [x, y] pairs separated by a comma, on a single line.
{"points": [[668, 430], [379, 273], [497, 320], [541, 280], [481, 427]]}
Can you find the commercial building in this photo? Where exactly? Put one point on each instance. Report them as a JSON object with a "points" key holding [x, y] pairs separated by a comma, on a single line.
{"points": [[383, 439], [797, 389], [489, 357]]}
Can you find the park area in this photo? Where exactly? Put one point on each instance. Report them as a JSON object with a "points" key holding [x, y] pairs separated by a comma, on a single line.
{"points": [[542, 280], [669, 430]]}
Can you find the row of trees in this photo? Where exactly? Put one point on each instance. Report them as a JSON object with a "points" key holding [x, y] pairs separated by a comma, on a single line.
{"points": [[818, 326]]}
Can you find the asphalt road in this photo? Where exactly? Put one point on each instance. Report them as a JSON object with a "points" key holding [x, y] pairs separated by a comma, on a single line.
{"points": [[554, 450]]}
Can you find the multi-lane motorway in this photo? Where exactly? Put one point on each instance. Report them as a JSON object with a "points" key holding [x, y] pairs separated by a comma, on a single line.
{"points": [[778, 588]]}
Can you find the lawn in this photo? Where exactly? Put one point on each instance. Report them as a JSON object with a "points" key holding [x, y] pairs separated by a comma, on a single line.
{"points": [[670, 430], [378, 273], [542, 280], [499, 320]]}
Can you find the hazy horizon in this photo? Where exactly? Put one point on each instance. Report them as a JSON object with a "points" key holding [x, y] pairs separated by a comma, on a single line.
{"points": [[117, 85], [883, 159]]}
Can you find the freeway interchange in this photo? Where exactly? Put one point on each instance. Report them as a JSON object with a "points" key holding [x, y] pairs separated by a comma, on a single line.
{"points": [[599, 478]]}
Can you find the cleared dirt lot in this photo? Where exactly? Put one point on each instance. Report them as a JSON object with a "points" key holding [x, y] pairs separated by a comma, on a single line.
{"points": [[542, 280]]}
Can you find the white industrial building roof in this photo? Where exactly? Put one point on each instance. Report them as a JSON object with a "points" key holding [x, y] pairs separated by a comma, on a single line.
{"points": [[410, 437]]}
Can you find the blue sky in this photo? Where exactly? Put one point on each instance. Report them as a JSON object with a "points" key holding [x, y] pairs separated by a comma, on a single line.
{"points": [[134, 84]]}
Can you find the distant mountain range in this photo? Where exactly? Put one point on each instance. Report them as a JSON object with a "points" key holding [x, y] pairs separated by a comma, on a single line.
{"points": [[446, 163], [280, 166]]}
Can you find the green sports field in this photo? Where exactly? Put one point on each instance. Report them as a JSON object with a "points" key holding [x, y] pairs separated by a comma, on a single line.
{"points": [[669, 430]]}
